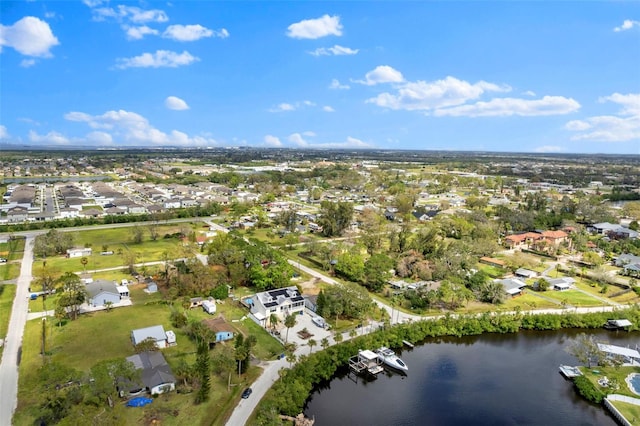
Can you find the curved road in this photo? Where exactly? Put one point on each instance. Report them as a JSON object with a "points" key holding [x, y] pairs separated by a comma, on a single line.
{"points": [[13, 340]]}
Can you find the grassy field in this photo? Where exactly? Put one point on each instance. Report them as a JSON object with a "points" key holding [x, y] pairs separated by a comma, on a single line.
{"points": [[9, 271], [572, 297], [7, 294], [629, 411], [106, 335], [12, 250], [117, 240]]}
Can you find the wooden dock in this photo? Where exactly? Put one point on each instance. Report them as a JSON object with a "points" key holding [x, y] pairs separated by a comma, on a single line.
{"points": [[407, 343]]}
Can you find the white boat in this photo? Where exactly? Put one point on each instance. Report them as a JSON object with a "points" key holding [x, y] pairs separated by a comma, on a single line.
{"points": [[390, 358]]}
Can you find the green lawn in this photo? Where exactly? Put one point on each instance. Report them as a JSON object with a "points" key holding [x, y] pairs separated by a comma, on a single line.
{"points": [[12, 250], [9, 271], [572, 297], [629, 411], [7, 294], [106, 335]]}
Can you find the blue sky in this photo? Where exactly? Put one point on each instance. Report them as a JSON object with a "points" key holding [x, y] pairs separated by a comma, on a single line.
{"points": [[495, 76]]}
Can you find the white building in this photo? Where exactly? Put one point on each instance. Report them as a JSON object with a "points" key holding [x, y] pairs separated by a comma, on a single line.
{"points": [[282, 302]]}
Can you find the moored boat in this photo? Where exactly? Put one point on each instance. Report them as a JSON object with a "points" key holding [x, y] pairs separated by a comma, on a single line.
{"points": [[390, 359]]}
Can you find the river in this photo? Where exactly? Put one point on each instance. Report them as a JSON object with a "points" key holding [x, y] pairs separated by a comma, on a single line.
{"points": [[493, 379]]}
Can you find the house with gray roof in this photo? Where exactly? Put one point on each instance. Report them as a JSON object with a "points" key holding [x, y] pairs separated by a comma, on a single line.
{"points": [[156, 376], [512, 286], [101, 291], [155, 332]]}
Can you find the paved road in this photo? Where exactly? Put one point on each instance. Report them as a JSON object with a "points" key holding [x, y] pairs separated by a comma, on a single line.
{"points": [[13, 341]]}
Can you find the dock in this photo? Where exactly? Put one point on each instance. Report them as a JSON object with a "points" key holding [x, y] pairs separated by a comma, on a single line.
{"points": [[366, 362], [407, 343], [570, 372], [618, 324]]}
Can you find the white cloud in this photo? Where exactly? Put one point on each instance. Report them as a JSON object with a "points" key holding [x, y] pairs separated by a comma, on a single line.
{"points": [[92, 3], [382, 74], [30, 36], [351, 142], [328, 108], [503, 107], [175, 103], [421, 95], [611, 128], [26, 63], [627, 25], [3, 132], [283, 107], [335, 50], [192, 32], [335, 84], [49, 15], [138, 33], [316, 28], [133, 129], [549, 148], [128, 13], [309, 133], [529, 93], [51, 137], [161, 58], [273, 141], [101, 138]]}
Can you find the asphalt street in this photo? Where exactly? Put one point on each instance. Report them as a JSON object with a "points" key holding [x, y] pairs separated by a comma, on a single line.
{"points": [[13, 340]]}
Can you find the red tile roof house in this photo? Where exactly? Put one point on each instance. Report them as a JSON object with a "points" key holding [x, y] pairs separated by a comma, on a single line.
{"points": [[537, 240]]}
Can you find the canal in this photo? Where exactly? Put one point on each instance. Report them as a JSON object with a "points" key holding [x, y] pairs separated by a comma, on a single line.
{"points": [[505, 379]]}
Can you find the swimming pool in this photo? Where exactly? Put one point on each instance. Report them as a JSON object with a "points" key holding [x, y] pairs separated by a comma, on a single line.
{"points": [[633, 381]]}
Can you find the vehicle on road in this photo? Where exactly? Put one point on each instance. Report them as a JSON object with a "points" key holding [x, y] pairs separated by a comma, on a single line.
{"points": [[246, 393]]}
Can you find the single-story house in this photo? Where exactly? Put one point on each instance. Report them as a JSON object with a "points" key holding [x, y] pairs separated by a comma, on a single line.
{"points": [[626, 259], [220, 327], [561, 284], [525, 273], [79, 252], [512, 286], [492, 262], [282, 302], [155, 332], [156, 375], [100, 292]]}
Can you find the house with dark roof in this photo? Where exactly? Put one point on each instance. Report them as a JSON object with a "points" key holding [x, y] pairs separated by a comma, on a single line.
{"points": [[156, 376], [281, 302]]}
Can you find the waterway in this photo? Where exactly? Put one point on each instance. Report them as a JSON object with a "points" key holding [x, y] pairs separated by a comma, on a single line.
{"points": [[506, 379]]}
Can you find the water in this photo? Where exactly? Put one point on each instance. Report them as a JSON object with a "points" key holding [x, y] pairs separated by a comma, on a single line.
{"points": [[485, 380]]}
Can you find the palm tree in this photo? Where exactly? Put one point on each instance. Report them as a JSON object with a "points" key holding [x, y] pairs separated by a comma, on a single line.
{"points": [[324, 343], [84, 262], [289, 322], [273, 321], [338, 337], [311, 344]]}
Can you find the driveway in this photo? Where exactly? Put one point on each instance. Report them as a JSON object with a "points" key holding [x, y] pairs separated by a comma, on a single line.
{"points": [[13, 340]]}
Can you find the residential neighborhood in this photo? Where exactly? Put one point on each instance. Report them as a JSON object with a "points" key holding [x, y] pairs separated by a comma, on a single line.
{"points": [[180, 274]]}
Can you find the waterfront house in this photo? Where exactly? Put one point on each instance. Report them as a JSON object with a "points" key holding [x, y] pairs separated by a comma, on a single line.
{"points": [[282, 302]]}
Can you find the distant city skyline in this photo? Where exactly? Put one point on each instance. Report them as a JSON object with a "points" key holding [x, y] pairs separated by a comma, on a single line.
{"points": [[546, 77]]}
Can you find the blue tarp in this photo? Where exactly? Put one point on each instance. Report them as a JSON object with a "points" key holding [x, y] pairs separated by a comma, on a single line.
{"points": [[140, 401]]}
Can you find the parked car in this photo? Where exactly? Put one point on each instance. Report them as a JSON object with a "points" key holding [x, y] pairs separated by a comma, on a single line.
{"points": [[246, 393], [3, 260]]}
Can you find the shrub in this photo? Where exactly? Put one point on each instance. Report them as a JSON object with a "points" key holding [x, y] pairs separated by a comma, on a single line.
{"points": [[588, 390]]}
